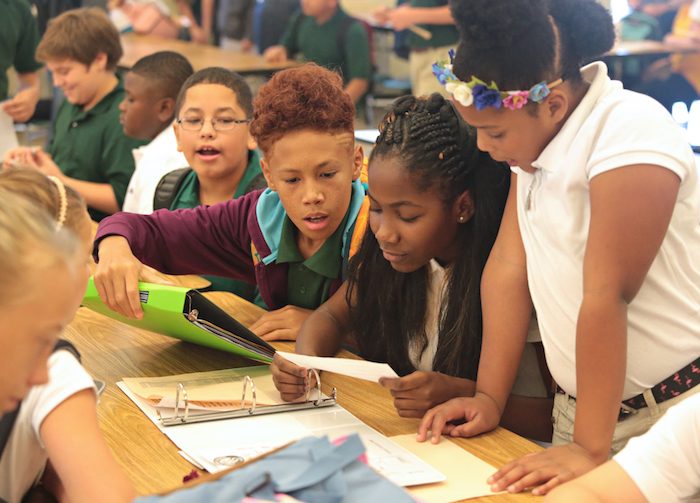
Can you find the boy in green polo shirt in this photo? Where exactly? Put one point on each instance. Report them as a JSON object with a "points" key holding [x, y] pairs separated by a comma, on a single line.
{"points": [[89, 151], [19, 37], [324, 34], [222, 154]]}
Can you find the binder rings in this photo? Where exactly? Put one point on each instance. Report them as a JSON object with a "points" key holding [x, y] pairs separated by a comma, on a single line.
{"points": [[220, 394], [187, 315]]}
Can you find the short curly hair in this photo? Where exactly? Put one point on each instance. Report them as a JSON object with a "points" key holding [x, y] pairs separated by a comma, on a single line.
{"points": [[305, 97]]}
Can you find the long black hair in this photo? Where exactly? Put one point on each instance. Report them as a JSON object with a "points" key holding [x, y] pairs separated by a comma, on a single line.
{"points": [[388, 308], [516, 43]]}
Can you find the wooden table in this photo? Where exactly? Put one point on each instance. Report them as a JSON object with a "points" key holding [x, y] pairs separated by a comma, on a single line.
{"points": [[112, 350], [199, 55], [628, 48]]}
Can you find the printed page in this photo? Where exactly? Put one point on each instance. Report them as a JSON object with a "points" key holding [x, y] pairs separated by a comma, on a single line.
{"points": [[8, 137], [361, 369]]}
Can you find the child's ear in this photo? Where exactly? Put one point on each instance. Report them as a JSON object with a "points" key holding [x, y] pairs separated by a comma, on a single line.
{"points": [[166, 110], [100, 61], [556, 106], [176, 128], [463, 208], [358, 159], [252, 144], [266, 173]]}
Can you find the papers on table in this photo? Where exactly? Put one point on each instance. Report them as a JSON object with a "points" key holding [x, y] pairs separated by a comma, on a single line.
{"points": [[8, 137], [360, 369], [466, 474], [217, 445]]}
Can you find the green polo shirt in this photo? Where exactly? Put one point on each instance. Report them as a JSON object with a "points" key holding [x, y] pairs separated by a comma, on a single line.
{"points": [[188, 197], [309, 281], [91, 145], [309, 41], [443, 34], [19, 37]]}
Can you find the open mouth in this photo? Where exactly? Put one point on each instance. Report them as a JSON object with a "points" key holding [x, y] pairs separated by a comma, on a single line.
{"points": [[316, 218], [208, 151]]}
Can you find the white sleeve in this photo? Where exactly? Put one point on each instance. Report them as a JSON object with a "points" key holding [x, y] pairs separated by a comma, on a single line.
{"points": [[66, 378], [638, 130], [665, 462], [695, 10]]}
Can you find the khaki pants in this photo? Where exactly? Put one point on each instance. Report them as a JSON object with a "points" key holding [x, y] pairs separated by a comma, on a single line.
{"points": [[634, 425], [423, 82]]}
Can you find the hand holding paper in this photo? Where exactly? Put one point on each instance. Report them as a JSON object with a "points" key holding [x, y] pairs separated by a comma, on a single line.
{"points": [[360, 369]]}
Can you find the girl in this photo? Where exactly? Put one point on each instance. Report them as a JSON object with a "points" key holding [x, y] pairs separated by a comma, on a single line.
{"points": [[412, 297], [44, 270], [600, 233]]}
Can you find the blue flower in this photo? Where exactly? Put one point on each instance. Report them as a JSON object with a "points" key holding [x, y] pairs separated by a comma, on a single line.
{"points": [[485, 97], [539, 92]]}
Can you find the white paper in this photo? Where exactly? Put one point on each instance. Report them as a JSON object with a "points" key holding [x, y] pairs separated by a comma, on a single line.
{"points": [[367, 135], [361, 369], [8, 137], [217, 445]]}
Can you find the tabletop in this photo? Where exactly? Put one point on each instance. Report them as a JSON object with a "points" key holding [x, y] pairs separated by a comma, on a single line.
{"points": [[199, 55], [112, 350]]}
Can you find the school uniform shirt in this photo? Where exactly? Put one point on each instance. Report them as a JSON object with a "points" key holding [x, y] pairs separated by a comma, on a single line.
{"points": [[92, 146], [188, 197], [152, 162], [19, 36], [664, 463], [237, 239], [612, 128], [24, 457], [310, 41], [442, 34]]}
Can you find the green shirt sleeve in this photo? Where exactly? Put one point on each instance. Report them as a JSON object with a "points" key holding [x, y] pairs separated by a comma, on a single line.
{"points": [[24, 61], [291, 34], [357, 56]]}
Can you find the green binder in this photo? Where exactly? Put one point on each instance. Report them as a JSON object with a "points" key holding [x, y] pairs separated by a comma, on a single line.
{"points": [[187, 315]]}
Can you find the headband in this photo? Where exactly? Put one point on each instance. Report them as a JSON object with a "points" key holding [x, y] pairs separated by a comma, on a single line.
{"points": [[62, 200], [480, 94]]}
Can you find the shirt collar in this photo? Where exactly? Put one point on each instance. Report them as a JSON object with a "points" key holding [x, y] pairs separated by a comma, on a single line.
{"points": [[326, 261], [102, 106], [596, 75]]}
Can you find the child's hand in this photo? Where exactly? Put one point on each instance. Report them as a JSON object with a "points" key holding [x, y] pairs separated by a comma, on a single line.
{"points": [[281, 324], [381, 14], [44, 163], [549, 468], [290, 379], [414, 394], [117, 276], [275, 54], [401, 17], [21, 107], [481, 414], [19, 157]]}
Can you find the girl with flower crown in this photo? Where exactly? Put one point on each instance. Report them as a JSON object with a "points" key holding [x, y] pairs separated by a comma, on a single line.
{"points": [[601, 234]]}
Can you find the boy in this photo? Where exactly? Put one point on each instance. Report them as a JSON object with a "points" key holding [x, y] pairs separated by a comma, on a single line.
{"points": [[18, 39], [88, 151], [323, 33], [147, 112], [293, 239]]}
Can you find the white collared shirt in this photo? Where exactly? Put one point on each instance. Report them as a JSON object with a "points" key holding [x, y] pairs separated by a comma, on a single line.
{"points": [[612, 128], [153, 162]]}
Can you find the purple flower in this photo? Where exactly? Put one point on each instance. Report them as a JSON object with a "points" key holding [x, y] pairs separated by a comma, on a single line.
{"points": [[516, 100], [485, 97]]}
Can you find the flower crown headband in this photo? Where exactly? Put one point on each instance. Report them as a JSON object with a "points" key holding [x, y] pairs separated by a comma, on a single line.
{"points": [[480, 94]]}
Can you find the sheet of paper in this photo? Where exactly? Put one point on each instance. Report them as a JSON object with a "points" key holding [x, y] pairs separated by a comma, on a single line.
{"points": [[466, 473], [8, 137], [217, 445], [214, 390], [361, 369], [366, 135]]}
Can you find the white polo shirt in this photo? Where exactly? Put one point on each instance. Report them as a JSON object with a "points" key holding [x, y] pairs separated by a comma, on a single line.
{"points": [[612, 128], [153, 162]]}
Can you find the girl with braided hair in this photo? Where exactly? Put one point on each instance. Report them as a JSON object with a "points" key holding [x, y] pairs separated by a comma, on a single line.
{"points": [[600, 234], [412, 296]]}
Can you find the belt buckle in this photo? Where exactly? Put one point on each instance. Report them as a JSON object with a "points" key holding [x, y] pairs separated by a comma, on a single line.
{"points": [[625, 412]]}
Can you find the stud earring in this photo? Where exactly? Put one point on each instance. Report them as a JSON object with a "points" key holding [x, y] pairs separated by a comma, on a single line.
{"points": [[461, 219]]}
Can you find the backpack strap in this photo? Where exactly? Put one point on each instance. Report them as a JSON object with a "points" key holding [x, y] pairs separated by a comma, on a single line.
{"points": [[168, 187], [7, 421]]}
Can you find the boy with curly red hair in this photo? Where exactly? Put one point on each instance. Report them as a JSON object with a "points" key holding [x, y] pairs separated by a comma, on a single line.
{"points": [[293, 239]]}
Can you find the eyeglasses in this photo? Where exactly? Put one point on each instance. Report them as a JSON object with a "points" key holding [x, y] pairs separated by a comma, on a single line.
{"points": [[219, 124]]}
